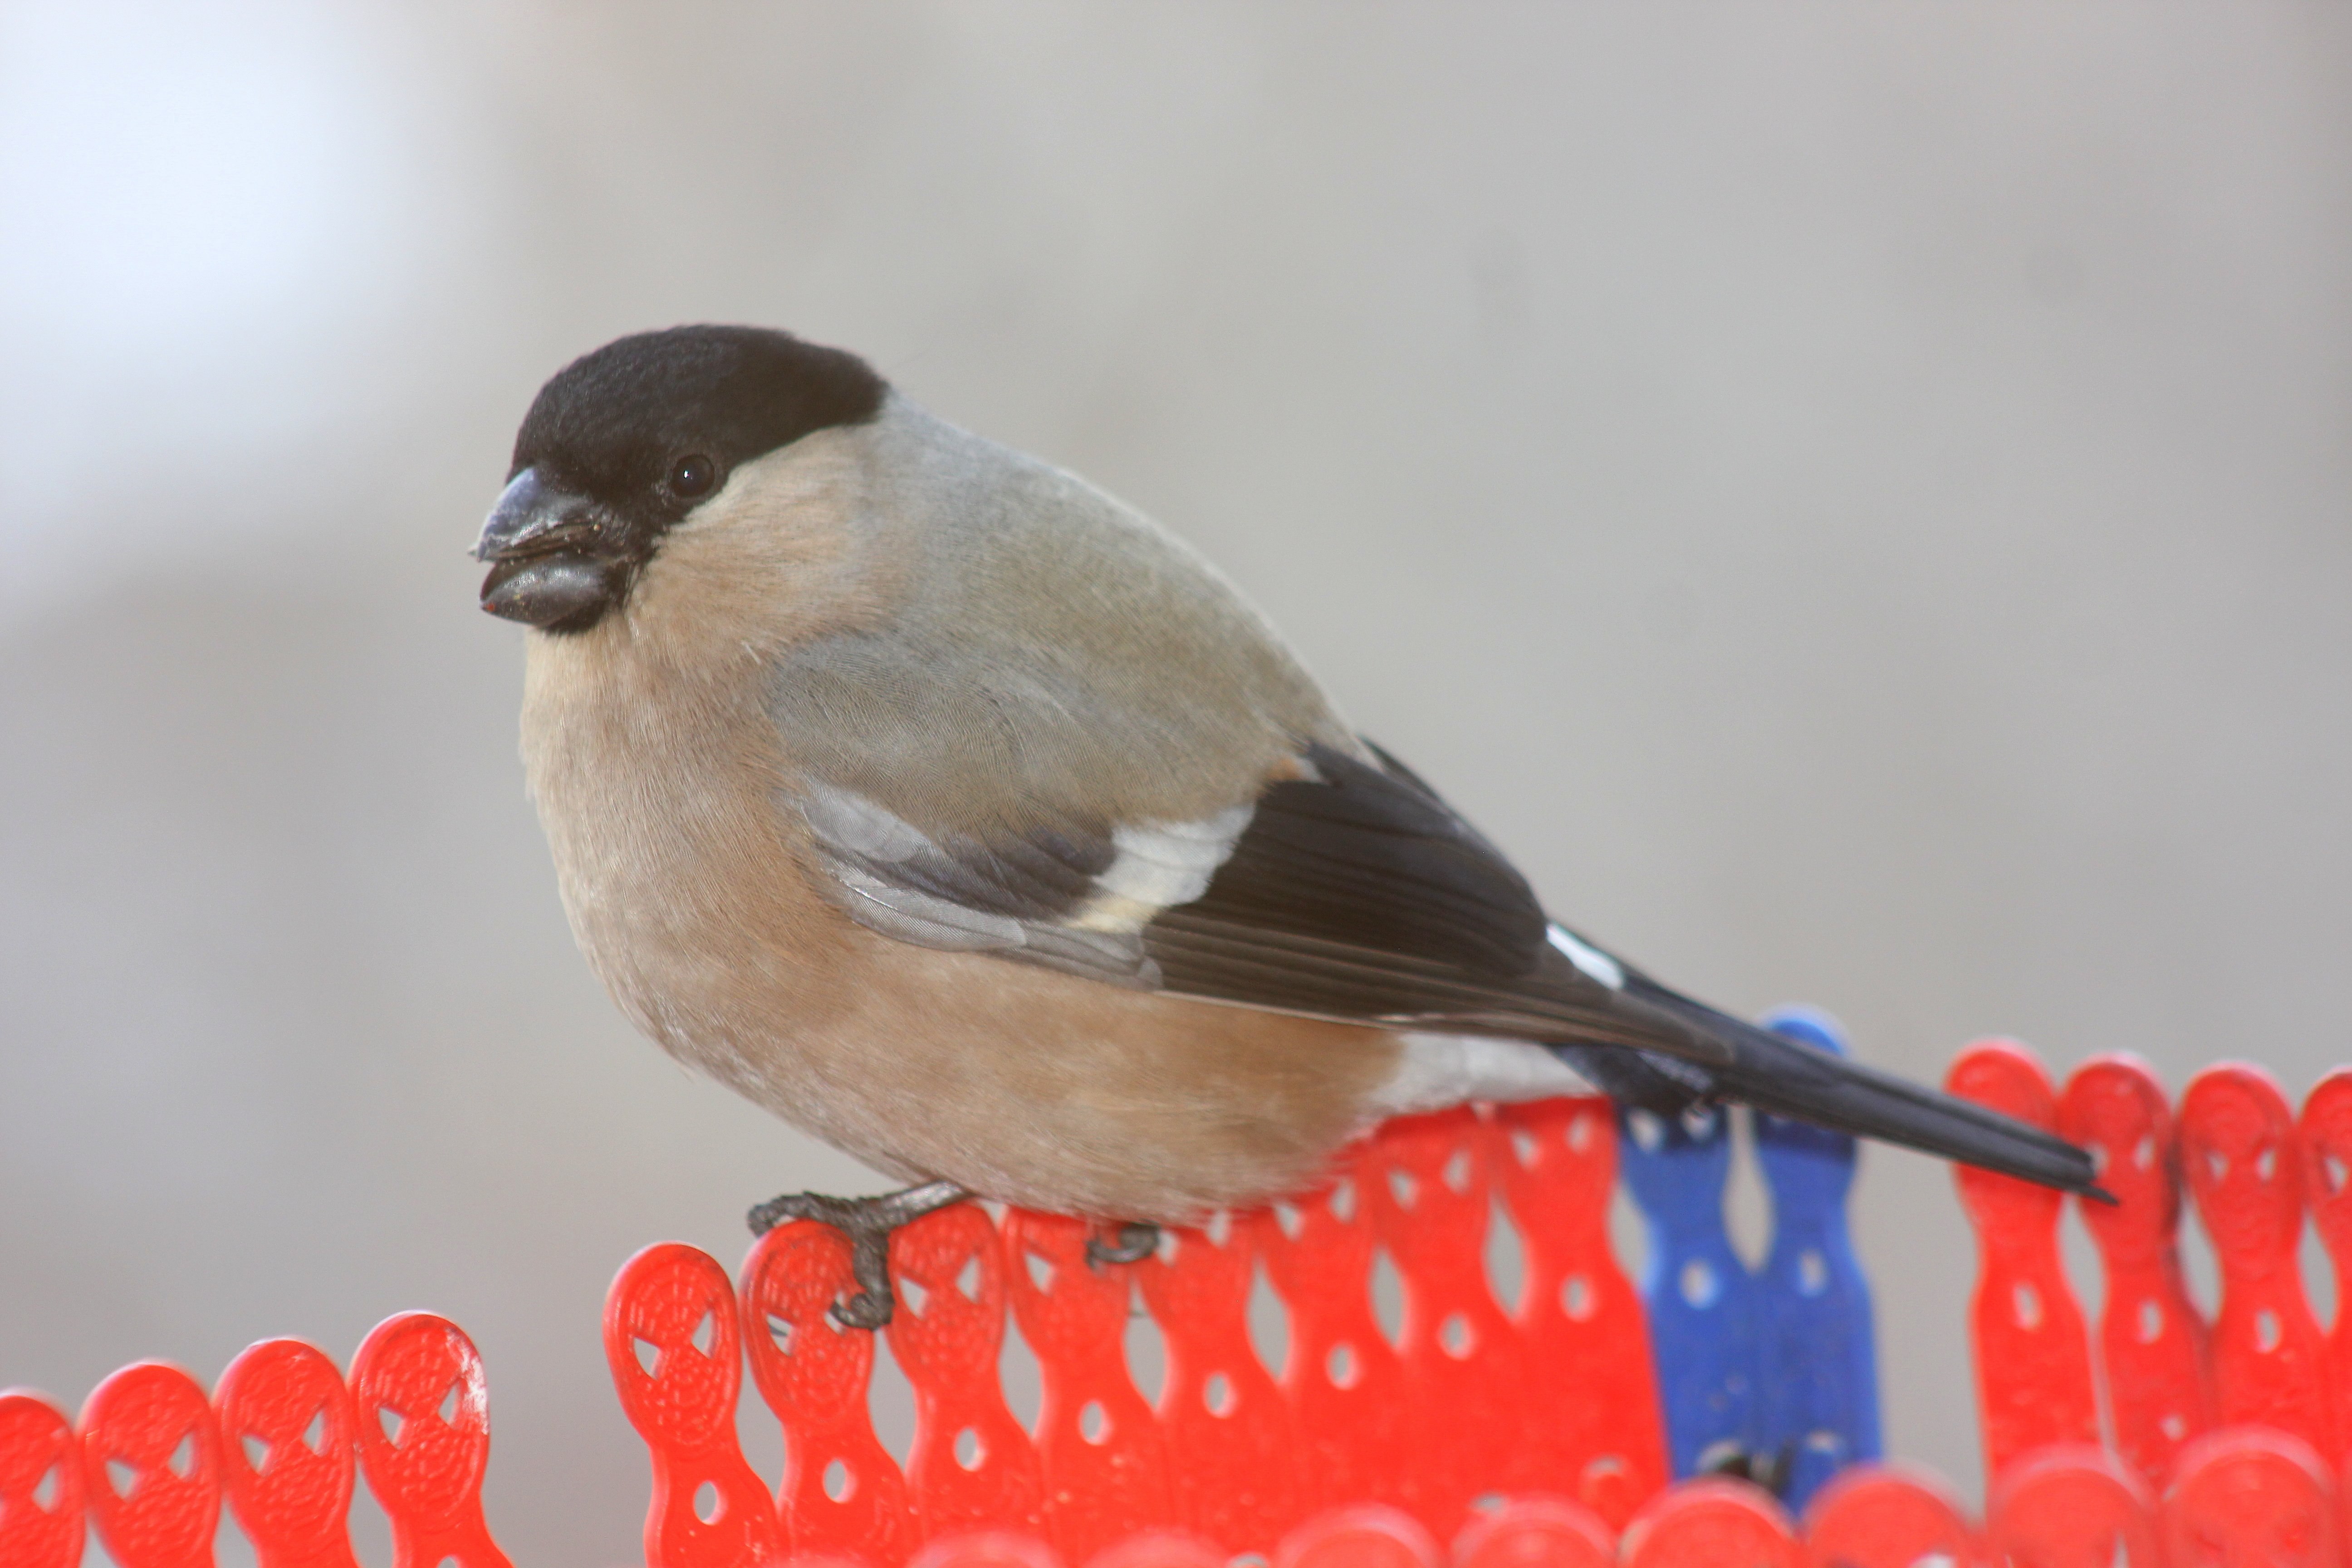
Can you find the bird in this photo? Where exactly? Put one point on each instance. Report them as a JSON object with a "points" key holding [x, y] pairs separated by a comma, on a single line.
{"points": [[966, 818]]}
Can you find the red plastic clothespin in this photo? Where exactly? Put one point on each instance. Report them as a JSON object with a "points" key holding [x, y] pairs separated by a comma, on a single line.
{"points": [[288, 1454], [41, 1522], [1593, 1420], [150, 1466], [1427, 1177], [1344, 1382], [987, 1548], [1231, 1442], [2033, 1360], [2152, 1342], [1707, 1523], [2071, 1505], [1536, 1532], [2325, 1138], [1889, 1516], [2245, 1164], [2250, 1495], [671, 1338], [972, 1466], [842, 1492], [422, 1408], [1367, 1535], [1159, 1549], [1105, 1468]]}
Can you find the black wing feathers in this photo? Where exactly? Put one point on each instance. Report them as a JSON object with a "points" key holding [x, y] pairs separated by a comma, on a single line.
{"points": [[1359, 895], [1374, 861], [1362, 896]]}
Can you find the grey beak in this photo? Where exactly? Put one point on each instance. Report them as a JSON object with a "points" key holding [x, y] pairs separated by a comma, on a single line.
{"points": [[532, 518], [555, 563]]}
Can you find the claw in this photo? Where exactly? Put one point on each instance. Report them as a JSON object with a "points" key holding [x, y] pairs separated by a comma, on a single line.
{"points": [[1138, 1240], [867, 1223], [868, 1310]]}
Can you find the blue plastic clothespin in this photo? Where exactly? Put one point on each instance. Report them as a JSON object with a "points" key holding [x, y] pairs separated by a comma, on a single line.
{"points": [[1819, 1367], [1781, 1365], [1699, 1296]]}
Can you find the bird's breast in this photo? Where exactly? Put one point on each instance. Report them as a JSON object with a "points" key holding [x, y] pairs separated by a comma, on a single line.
{"points": [[658, 784]]}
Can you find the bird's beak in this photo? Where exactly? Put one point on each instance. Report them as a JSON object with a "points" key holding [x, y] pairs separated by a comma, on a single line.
{"points": [[529, 519], [551, 562]]}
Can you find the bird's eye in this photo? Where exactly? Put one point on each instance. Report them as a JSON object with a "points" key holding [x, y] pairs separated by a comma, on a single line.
{"points": [[691, 476]]}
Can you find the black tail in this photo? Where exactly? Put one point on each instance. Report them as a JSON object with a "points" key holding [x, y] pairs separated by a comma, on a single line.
{"points": [[1807, 1084]]}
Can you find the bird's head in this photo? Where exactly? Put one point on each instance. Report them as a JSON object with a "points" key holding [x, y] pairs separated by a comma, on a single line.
{"points": [[626, 443]]}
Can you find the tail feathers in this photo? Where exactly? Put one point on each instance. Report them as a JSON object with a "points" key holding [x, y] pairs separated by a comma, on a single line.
{"points": [[1804, 1084]]}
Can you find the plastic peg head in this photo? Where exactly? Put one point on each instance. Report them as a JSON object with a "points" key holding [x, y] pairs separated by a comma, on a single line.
{"points": [[150, 1466], [809, 1368], [1201, 1271], [1062, 1298], [2243, 1161], [1347, 1388], [2116, 1108], [972, 1464], [1536, 1533], [1708, 1523], [1807, 1027], [2071, 1505], [2007, 1077], [842, 1492], [1889, 1516], [423, 1415], [2326, 1140], [1429, 1174], [40, 1484], [987, 1548], [671, 1339], [1557, 1160], [1320, 1243], [2250, 1495], [948, 1269], [1361, 1535], [1674, 1162], [1160, 1549], [421, 1405], [1231, 1441], [289, 1452], [1808, 1169]]}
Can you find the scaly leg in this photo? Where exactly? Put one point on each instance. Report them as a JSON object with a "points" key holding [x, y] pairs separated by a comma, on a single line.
{"points": [[867, 1223]]}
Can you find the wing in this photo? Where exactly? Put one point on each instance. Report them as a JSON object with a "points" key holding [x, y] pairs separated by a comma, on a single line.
{"points": [[1348, 889]]}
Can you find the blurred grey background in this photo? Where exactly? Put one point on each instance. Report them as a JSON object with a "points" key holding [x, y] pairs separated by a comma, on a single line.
{"points": [[1856, 499]]}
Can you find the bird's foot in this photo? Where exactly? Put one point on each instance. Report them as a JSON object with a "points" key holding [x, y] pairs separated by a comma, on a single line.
{"points": [[1136, 1240], [867, 1223]]}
